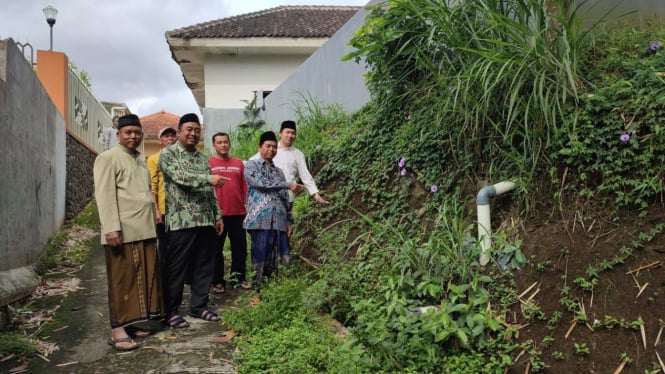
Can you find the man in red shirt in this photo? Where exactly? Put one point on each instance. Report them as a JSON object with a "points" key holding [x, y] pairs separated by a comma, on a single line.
{"points": [[231, 197]]}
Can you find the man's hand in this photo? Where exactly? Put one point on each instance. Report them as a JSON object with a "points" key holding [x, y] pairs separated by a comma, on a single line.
{"points": [[289, 231], [294, 187], [158, 219], [219, 227], [113, 238], [218, 180], [320, 200]]}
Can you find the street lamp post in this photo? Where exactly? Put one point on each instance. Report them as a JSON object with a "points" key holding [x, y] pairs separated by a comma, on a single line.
{"points": [[50, 13]]}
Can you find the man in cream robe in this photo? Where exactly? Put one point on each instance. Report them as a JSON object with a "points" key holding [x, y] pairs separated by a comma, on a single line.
{"points": [[127, 215]]}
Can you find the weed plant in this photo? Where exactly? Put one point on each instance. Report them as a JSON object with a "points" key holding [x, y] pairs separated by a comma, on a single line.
{"points": [[16, 343]]}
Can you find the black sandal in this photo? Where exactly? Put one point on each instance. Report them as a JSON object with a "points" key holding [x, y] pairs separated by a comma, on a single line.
{"points": [[176, 321], [206, 315]]}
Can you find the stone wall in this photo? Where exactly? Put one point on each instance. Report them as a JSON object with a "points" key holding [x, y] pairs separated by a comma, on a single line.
{"points": [[80, 182]]}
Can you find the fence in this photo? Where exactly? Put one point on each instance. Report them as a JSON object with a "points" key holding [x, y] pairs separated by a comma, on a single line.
{"points": [[87, 117]]}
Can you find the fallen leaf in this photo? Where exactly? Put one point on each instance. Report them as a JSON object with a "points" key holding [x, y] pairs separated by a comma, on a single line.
{"points": [[224, 338]]}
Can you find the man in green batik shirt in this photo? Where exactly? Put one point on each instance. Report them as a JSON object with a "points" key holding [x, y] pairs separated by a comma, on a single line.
{"points": [[193, 220]]}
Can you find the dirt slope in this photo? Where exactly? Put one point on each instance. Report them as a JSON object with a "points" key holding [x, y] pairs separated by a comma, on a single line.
{"points": [[606, 309]]}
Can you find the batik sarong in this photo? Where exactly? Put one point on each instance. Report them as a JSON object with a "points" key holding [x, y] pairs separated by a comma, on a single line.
{"points": [[134, 283]]}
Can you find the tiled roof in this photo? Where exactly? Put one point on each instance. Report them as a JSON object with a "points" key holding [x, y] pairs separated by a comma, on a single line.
{"points": [[152, 123], [280, 22]]}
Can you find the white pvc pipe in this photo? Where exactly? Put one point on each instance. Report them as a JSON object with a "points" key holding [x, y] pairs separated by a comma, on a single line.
{"points": [[484, 220]]}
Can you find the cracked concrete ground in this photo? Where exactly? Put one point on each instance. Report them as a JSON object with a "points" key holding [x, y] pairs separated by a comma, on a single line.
{"points": [[85, 330]]}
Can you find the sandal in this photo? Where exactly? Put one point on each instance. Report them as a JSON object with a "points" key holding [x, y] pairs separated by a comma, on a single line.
{"points": [[114, 343], [206, 315], [218, 289], [245, 286], [142, 333], [176, 321]]}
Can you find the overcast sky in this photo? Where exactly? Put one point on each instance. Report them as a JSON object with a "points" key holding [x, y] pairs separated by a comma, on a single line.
{"points": [[121, 44]]}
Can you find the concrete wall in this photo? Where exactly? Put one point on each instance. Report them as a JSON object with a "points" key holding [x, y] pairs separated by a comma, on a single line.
{"points": [[617, 10], [47, 172], [232, 79], [32, 189], [216, 120]]}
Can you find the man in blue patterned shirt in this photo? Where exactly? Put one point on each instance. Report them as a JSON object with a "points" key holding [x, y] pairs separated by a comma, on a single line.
{"points": [[267, 219], [193, 220]]}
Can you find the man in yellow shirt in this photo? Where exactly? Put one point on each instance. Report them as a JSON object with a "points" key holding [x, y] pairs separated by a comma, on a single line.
{"points": [[166, 137]]}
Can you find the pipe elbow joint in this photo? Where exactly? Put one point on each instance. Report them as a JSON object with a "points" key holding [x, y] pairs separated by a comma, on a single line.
{"points": [[485, 194]]}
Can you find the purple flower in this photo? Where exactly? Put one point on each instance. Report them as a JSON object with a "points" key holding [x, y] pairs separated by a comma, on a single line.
{"points": [[402, 162], [402, 172], [624, 137], [451, 88], [434, 188], [656, 46], [408, 117]]}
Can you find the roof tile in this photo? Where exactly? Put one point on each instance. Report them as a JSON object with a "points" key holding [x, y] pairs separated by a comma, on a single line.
{"points": [[152, 123], [280, 22]]}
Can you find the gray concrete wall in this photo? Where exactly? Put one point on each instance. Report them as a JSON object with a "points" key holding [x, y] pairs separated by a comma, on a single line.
{"points": [[617, 10], [32, 187], [220, 120]]}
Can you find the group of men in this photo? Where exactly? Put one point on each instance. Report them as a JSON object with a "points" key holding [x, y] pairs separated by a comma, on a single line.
{"points": [[164, 221]]}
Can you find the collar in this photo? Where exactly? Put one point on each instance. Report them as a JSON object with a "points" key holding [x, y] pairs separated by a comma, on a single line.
{"points": [[265, 162], [128, 151], [280, 146]]}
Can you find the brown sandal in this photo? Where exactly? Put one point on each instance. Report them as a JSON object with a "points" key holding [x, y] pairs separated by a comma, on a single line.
{"points": [[114, 343]]}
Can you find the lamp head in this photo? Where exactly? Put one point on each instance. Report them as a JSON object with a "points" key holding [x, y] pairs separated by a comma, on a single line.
{"points": [[51, 13]]}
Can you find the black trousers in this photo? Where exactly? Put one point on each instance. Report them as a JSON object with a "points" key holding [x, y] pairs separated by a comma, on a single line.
{"points": [[190, 249], [162, 244], [238, 238]]}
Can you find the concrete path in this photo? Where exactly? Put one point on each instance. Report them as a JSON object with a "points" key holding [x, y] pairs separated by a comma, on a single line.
{"points": [[83, 342]]}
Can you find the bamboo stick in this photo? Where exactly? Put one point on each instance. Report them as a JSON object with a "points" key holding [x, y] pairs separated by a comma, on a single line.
{"points": [[660, 332], [619, 369], [644, 286], [570, 329], [662, 366], [527, 290], [647, 266]]}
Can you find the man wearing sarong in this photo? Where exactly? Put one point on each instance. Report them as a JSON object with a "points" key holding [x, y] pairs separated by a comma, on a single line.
{"points": [[127, 216], [193, 223], [268, 219]]}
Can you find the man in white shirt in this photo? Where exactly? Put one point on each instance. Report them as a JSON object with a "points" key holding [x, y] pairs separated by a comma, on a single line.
{"points": [[292, 162], [110, 135]]}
